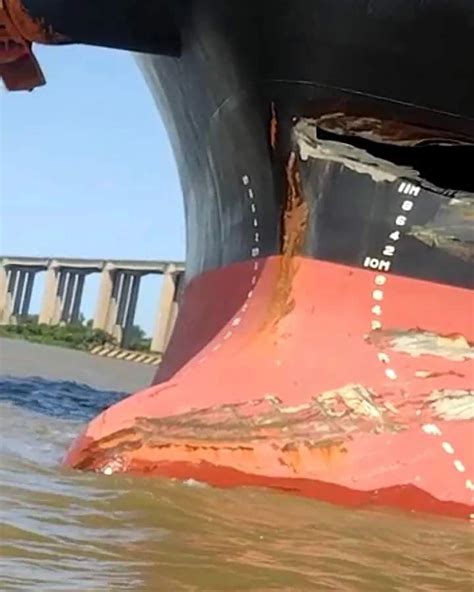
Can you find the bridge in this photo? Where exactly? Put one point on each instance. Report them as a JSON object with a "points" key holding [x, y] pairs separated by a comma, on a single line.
{"points": [[116, 300]]}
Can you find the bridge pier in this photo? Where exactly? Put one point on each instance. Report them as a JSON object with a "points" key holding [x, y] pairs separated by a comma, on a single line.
{"points": [[130, 309], [103, 301], [48, 305], [70, 296], [25, 306], [4, 309], [62, 295], [167, 309], [16, 288], [117, 303], [123, 306], [77, 300]]}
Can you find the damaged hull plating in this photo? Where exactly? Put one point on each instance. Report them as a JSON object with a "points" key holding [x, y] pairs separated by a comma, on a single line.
{"points": [[324, 344]]}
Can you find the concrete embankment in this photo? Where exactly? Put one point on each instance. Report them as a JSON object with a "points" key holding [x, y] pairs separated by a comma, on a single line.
{"points": [[20, 358]]}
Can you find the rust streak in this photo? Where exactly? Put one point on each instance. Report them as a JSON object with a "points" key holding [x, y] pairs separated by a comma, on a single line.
{"points": [[273, 126], [33, 30], [295, 218], [387, 131]]}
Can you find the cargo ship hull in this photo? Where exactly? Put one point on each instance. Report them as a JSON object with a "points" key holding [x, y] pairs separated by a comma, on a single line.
{"points": [[324, 342]]}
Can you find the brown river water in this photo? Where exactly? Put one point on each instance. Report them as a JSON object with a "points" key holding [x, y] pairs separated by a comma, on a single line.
{"points": [[66, 531]]}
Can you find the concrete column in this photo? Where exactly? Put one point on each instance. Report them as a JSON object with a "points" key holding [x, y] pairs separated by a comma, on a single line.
{"points": [[48, 306], [25, 307], [22, 292], [104, 301], [112, 327], [18, 292], [3, 287], [63, 275], [118, 305], [13, 278], [5, 295], [69, 292], [123, 299], [131, 310], [179, 285], [76, 305], [166, 313]]}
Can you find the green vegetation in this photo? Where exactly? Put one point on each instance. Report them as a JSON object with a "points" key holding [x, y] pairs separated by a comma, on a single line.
{"points": [[79, 335], [138, 339], [73, 336]]}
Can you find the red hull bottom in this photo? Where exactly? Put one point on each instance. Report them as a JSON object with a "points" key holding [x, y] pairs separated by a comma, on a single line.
{"points": [[346, 385]]}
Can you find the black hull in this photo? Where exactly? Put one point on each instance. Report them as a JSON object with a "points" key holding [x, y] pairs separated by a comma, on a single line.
{"points": [[247, 76]]}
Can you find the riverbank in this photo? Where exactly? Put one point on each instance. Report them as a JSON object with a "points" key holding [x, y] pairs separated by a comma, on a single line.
{"points": [[21, 359]]}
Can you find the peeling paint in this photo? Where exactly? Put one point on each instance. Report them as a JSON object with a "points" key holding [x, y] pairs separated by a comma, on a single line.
{"points": [[328, 138], [387, 131], [318, 428], [440, 238], [432, 374], [452, 229], [355, 159], [417, 342], [452, 404], [353, 398], [295, 409]]}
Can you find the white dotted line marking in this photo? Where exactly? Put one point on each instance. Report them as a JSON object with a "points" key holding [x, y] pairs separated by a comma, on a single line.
{"points": [[255, 252], [433, 430], [447, 448], [384, 263], [391, 374]]}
